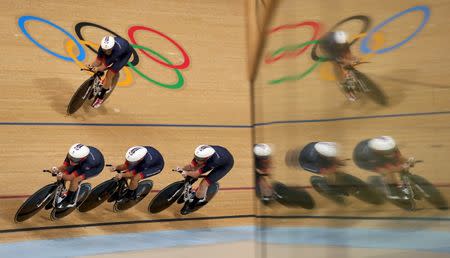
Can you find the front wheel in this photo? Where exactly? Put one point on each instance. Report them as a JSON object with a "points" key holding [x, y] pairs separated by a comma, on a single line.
{"points": [[98, 195], [429, 192], [380, 187], [210, 193], [108, 93], [321, 186], [83, 193], [293, 196], [370, 88], [80, 96], [359, 189], [166, 197], [35, 203]]}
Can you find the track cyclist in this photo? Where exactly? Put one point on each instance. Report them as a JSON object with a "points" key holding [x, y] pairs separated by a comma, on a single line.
{"points": [[81, 162], [336, 46], [381, 155], [113, 54], [140, 162], [214, 159]]}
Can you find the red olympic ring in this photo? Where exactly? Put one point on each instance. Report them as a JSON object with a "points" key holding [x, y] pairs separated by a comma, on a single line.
{"points": [[316, 27], [186, 62]]}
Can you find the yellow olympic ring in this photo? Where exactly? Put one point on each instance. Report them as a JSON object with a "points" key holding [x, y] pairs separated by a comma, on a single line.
{"points": [[326, 69], [69, 49]]}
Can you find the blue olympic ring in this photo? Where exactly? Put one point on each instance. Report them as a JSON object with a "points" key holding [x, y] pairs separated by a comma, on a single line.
{"points": [[22, 21], [364, 43]]}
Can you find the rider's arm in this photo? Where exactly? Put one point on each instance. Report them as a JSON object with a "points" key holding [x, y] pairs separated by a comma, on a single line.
{"points": [[68, 177], [193, 169], [124, 167], [193, 174], [347, 58], [263, 172], [328, 170]]}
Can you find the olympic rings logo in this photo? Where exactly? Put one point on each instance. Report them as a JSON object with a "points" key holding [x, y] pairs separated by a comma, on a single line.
{"points": [[373, 37], [80, 42]]}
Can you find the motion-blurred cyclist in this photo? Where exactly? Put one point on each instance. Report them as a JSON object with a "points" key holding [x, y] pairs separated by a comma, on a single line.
{"points": [[263, 165], [322, 158], [381, 155], [336, 46]]}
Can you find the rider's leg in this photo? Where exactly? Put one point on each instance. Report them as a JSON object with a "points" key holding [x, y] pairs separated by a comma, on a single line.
{"points": [[339, 72], [134, 181], [343, 76], [72, 192], [390, 180], [265, 187], [132, 186], [109, 82], [200, 193], [331, 178], [213, 177], [149, 172], [75, 182]]}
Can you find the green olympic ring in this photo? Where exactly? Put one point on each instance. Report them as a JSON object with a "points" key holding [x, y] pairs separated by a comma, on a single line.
{"points": [[176, 85], [302, 74]]}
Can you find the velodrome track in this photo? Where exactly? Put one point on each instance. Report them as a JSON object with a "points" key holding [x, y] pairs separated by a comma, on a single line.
{"points": [[213, 106]]}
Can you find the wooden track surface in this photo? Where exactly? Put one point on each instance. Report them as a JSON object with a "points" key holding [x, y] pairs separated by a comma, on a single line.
{"points": [[38, 86]]}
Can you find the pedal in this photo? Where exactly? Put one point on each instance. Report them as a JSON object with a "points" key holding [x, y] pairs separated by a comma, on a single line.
{"points": [[180, 199], [49, 206]]}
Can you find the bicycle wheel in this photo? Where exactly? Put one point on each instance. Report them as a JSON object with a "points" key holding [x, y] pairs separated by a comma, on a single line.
{"points": [[80, 96], [108, 94], [210, 193], [321, 186], [359, 189], [98, 195], [166, 197], [371, 89], [430, 192], [85, 189], [143, 190], [378, 185], [35, 203], [293, 196]]}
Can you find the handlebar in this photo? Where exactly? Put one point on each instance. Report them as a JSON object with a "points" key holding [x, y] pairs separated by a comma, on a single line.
{"points": [[180, 171], [99, 73]]}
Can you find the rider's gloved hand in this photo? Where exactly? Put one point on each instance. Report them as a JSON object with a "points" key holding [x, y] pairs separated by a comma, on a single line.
{"points": [[112, 168], [118, 176], [59, 176], [55, 170], [411, 161]]}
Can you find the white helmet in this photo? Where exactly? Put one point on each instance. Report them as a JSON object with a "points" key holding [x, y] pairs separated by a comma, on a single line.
{"points": [[77, 152], [340, 37], [262, 150], [135, 153], [382, 143], [327, 149], [203, 152], [107, 42]]}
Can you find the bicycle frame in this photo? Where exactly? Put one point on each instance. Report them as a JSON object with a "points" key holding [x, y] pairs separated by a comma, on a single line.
{"points": [[59, 192], [95, 85], [187, 189]]}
